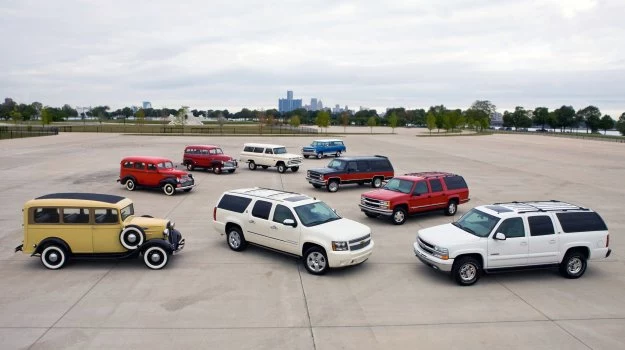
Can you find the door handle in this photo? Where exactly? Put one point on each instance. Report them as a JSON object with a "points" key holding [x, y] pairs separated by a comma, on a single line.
{"points": [[523, 243], [552, 241], [273, 227], [251, 221]]}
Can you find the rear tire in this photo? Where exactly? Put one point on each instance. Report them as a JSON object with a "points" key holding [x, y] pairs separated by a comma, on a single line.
{"points": [[216, 170], [452, 207], [319, 155], [466, 271], [235, 239], [130, 185], [376, 182], [573, 265], [190, 166], [337, 154], [53, 257], [294, 169], [251, 165]]}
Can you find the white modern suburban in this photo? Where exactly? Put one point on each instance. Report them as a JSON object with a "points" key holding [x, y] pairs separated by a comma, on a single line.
{"points": [[265, 156], [515, 235], [291, 223]]}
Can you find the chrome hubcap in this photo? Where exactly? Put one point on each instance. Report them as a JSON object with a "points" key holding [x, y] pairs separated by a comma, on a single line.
{"points": [[316, 262], [452, 207], [399, 216], [574, 266], [377, 182], [468, 272], [235, 239], [53, 257], [334, 186], [132, 238], [155, 257]]}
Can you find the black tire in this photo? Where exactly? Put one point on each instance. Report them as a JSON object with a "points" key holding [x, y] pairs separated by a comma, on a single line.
{"points": [[53, 257], [236, 240], [190, 166], [319, 155], [316, 261], [131, 237], [371, 215], [294, 169], [466, 271], [169, 189], [281, 168], [251, 165], [337, 154], [399, 216], [155, 257], [231, 171], [573, 265], [376, 182], [306, 156], [316, 186], [265, 166], [216, 170], [333, 185], [130, 184], [452, 207]]}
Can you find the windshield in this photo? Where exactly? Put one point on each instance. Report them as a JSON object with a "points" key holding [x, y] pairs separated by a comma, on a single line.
{"points": [[477, 223], [336, 164], [127, 211], [315, 214], [314, 143], [281, 150], [397, 185], [165, 165]]}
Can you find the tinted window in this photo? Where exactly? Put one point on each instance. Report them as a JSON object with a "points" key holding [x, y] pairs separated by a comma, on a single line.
{"points": [[152, 167], [105, 216], [75, 215], [248, 149], [436, 185], [512, 228], [233, 203], [352, 166], [258, 150], [139, 166], [455, 182], [381, 165], [420, 188], [46, 216], [261, 210], [282, 213], [581, 222], [269, 151], [363, 165], [540, 225], [128, 164]]}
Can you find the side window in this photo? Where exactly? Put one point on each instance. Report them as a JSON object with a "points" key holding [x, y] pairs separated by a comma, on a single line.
{"points": [[105, 216], [258, 149], [75, 215], [436, 185], [152, 167], [282, 213], [420, 188], [203, 151], [248, 149], [128, 165], [46, 216], [233, 203], [352, 166], [455, 182], [212, 151], [140, 166], [540, 225], [581, 222], [512, 228], [261, 210], [269, 151], [363, 165]]}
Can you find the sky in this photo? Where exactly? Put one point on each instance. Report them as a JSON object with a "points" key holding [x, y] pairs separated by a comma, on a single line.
{"points": [[377, 54]]}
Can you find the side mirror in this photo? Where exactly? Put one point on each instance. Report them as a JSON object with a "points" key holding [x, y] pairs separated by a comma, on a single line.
{"points": [[289, 222], [500, 236]]}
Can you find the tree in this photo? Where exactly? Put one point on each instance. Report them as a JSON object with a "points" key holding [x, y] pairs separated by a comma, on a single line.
{"points": [[540, 116], [484, 106], [345, 120], [591, 116], [439, 113], [371, 123], [15, 115], [477, 119], [431, 122], [140, 116], [181, 116], [46, 116], [565, 117], [323, 119], [620, 124], [606, 123], [69, 111], [392, 121], [295, 121], [452, 120]]}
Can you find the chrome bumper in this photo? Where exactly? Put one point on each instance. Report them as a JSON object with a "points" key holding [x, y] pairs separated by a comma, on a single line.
{"points": [[309, 153], [180, 246], [385, 212], [435, 263], [181, 188], [315, 181]]}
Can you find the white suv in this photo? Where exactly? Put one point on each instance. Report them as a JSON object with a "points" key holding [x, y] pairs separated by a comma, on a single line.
{"points": [[292, 223], [264, 155], [515, 235]]}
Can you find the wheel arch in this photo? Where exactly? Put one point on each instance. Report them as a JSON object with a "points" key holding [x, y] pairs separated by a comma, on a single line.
{"points": [[157, 243], [333, 178], [479, 257], [128, 177], [310, 244], [578, 248], [49, 241]]}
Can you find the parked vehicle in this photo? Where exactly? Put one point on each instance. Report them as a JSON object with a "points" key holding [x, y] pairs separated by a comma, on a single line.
{"points": [[154, 172], [294, 224], [63, 226], [266, 155], [208, 157], [322, 148], [348, 170], [515, 235], [414, 193]]}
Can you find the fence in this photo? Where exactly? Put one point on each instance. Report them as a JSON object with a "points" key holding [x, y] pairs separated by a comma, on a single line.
{"points": [[190, 130], [15, 132]]}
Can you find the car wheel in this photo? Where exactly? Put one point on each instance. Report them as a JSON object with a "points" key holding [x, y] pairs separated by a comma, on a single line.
{"points": [[376, 182], [573, 265], [337, 154], [217, 170], [281, 168], [190, 167], [130, 185], [399, 215], [452, 208], [306, 156], [265, 166], [466, 271], [131, 238], [316, 261], [236, 241], [316, 186], [294, 169], [372, 215], [169, 189], [155, 258], [333, 186], [53, 257], [231, 171], [319, 155], [251, 165]]}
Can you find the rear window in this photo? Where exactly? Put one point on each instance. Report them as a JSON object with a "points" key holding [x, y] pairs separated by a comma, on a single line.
{"points": [[261, 209], [233, 203], [455, 182], [581, 222], [380, 165]]}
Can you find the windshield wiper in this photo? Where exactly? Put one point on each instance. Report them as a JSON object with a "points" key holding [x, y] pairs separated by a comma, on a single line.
{"points": [[464, 228]]}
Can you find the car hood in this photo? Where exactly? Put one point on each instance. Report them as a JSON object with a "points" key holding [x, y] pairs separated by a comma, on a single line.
{"points": [[385, 195], [323, 170], [341, 230], [146, 222], [446, 235], [288, 155]]}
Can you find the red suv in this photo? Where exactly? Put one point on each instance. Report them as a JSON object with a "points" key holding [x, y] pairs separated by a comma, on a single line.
{"points": [[155, 172], [208, 157], [414, 193]]}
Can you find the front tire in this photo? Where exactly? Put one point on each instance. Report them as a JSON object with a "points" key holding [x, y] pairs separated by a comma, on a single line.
{"points": [[333, 186], [131, 238], [376, 182], [169, 189], [281, 168], [573, 265], [130, 185], [251, 165], [399, 216], [466, 271], [306, 156], [294, 169], [316, 261], [452, 208], [53, 257], [236, 240], [319, 155], [337, 154], [216, 170], [155, 258]]}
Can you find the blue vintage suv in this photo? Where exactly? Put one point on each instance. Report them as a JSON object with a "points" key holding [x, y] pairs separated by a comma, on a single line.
{"points": [[321, 148]]}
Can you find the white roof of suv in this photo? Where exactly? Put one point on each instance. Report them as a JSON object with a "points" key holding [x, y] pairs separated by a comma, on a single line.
{"points": [[271, 194], [513, 208], [265, 145]]}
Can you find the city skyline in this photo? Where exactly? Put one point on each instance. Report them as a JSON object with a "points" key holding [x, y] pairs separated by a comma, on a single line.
{"points": [[408, 54]]}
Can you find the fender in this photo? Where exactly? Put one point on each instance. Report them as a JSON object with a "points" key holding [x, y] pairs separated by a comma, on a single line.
{"points": [[49, 240], [168, 180], [157, 243], [331, 178], [123, 180], [313, 241]]}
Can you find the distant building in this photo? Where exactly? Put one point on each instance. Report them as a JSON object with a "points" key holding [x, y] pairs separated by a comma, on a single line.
{"points": [[289, 104], [147, 104]]}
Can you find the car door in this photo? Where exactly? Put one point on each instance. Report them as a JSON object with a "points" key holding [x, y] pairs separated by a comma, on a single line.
{"points": [[438, 199], [285, 235], [352, 172], [77, 229], [419, 199], [151, 175], [257, 227], [543, 240], [105, 231], [513, 250], [364, 171]]}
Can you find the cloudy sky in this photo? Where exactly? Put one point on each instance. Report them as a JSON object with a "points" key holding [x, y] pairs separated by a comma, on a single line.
{"points": [[234, 54]]}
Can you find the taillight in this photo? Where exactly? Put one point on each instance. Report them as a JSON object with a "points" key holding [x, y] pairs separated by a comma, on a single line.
{"points": [[214, 213], [607, 241]]}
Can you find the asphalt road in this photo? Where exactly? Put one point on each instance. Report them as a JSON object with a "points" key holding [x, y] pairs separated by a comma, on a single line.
{"points": [[213, 298]]}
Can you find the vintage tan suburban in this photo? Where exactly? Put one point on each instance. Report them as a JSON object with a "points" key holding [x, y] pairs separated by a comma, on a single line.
{"points": [[63, 226]]}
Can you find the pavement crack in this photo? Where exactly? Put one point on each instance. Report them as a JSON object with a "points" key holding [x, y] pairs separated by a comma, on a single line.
{"points": [[310, 327]]}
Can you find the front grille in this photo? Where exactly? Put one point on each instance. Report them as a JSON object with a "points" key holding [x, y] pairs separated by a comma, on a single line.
{"points": [[359, 243], [295, 161], [314, 175], [374, 203], [425, 245]]}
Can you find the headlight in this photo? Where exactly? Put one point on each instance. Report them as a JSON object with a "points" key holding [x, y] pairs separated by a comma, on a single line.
{"points": [[385, 203], [441, 253], [166, 232], [177, 179], [338, 246]]}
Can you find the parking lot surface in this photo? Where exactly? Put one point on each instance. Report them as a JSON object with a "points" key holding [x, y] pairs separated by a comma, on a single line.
{"points": [[213, 298]]}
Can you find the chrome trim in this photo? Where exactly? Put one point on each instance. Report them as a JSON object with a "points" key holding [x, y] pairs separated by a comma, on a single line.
{"points": [[386, 212]]}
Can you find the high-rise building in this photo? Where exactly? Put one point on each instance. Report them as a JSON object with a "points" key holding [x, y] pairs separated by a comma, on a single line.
{"points": [[147, 104], [289, 104], [313, 104]]}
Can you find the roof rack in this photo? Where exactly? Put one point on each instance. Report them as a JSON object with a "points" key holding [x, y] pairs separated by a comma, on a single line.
{"points": [[278, 192], [541, 206], [430, 174]]}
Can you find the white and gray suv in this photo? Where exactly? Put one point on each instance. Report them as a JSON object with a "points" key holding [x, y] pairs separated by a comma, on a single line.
{"points": [[292, 223], [515, 235]]}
